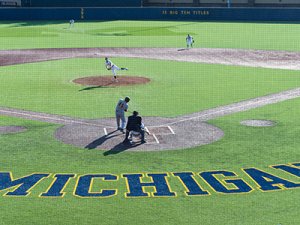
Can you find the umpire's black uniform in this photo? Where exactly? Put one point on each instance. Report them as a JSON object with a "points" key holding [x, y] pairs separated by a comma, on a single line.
{"points": [[134, 123]]}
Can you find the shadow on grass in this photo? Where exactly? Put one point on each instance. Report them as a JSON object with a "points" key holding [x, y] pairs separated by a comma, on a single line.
{"points": [[120, 148], [38, 23], [95, 87], [139, 30], [163, 27]]}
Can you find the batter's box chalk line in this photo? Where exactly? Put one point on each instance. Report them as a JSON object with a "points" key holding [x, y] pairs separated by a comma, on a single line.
{"points": [[156, 139], [161, 130], [172, 131], [105, 131], [151, 138]]}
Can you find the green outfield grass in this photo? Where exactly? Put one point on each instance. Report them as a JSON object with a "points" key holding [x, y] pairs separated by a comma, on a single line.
{"points": [[184, 88], [20, 35]]}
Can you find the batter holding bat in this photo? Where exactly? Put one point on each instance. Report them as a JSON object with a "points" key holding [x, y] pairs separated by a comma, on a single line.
{"points": [[121, 108]]}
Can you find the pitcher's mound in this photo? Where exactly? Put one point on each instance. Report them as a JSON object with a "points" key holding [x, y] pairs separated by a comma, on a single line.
{"points": [[109, 81]]}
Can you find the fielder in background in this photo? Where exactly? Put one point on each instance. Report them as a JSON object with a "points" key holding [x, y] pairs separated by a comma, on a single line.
{"points": [[121, 108], [110, 66], [134, 124], [189, 41], [71, 23]]}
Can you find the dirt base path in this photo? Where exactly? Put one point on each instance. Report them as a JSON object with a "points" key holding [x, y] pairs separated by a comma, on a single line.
{"points": [[237, 57]]}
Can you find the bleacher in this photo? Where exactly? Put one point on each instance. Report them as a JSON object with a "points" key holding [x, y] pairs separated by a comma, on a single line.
{"points": [[222, 3], [79, 3], [150, 3], [10, 3]]}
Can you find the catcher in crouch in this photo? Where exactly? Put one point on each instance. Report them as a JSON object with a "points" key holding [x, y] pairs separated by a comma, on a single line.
{"points": [[110, 66]]}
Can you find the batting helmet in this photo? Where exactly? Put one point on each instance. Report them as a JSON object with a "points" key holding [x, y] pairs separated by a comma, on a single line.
{"points": [[127, 99]]}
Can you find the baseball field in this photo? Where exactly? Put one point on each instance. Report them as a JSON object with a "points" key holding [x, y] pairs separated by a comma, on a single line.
{"points": [[223, 119]]}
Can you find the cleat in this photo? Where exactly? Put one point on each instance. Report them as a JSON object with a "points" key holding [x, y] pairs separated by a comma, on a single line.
{"points": [[122, 130]]}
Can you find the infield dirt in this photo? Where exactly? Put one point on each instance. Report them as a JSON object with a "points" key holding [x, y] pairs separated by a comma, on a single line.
{"points": [[237, 57]]}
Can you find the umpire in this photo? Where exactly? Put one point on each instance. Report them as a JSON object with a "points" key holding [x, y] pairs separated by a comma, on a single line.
{"points": [[134, 124]]}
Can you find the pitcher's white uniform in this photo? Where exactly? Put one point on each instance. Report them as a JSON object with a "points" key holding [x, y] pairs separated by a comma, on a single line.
{"points": [[110, 66], [189, 41], [121, 108]]}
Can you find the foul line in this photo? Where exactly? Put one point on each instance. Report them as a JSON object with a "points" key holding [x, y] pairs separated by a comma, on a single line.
{"points": [[43, 118], [233, 108], [229, 109]]}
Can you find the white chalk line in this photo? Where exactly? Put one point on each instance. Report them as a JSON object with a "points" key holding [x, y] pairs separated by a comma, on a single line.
{"points": [[70, 121], [105, 131], [156, 139], [147, 130], [229, 109], [172, 131], [259, 103]]}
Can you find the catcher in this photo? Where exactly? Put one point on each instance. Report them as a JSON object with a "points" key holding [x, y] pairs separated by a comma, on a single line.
{"points": [[110, 66], [135, 125]]}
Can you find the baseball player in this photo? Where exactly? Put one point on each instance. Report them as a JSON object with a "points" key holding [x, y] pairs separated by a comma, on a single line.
{"points": [[135, 124], [110, 66], [71, 23], [121, 108], [189, 41]]}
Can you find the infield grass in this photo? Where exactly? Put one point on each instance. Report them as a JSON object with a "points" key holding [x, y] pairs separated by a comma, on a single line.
{"points": [[177, 88]]}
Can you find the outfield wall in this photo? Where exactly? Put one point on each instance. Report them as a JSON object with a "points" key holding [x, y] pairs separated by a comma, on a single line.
{"points": [[201, 14]]}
